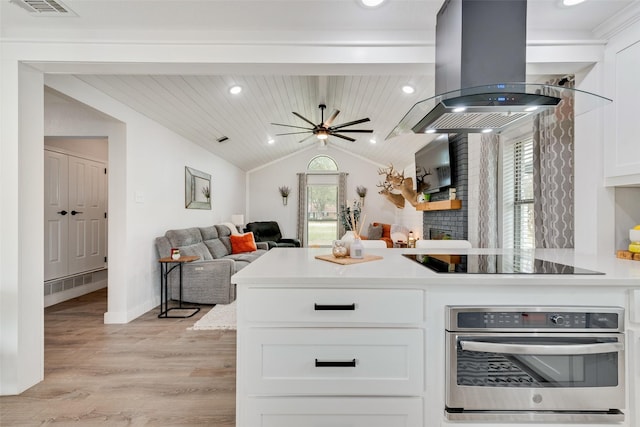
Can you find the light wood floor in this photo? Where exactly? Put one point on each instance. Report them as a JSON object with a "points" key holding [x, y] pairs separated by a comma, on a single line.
{"points": [[149, 372]]}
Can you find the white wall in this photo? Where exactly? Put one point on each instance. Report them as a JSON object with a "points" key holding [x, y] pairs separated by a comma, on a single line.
{"points": [[146, 189], [264, 202]]}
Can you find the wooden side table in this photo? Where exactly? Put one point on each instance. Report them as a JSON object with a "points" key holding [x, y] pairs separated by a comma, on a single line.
{"points": [[165, 269]]}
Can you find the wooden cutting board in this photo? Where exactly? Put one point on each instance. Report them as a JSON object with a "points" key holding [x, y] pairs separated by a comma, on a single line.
{"points": [[628, 255], [347, 260]]}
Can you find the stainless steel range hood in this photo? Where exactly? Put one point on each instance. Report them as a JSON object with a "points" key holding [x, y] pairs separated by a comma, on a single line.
{"points": [[480, 70]]}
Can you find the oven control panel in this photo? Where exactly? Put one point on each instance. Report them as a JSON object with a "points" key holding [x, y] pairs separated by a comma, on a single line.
{"points": [[534, 319]]}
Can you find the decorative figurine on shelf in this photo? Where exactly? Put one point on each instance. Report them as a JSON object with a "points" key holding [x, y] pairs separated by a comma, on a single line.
{"points": [[175, 253]]}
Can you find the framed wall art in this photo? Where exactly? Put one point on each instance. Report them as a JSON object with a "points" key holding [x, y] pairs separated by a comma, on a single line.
{"points": [[197, 189]]}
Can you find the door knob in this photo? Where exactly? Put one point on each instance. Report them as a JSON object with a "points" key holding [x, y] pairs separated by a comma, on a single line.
{"points": [[75, 212], [63, 213]]}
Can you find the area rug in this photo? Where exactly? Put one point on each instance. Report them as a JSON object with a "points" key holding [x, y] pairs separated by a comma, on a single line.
{"points": [[222, 316]]}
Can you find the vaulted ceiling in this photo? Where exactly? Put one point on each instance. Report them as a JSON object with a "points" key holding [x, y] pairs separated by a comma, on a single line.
{"points": [[194, 100]]}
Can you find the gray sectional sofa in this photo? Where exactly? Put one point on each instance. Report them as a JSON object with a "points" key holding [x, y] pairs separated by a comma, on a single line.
{"points": [[208, 280]]}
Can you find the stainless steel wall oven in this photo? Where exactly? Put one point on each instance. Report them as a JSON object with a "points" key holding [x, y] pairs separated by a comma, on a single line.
{"points": [[563, 364]]}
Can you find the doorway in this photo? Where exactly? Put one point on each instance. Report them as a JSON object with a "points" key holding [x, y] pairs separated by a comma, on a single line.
{"points": [[75, 217]]}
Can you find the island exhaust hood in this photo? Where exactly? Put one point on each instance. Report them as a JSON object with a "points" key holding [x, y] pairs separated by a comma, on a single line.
{"points": [[480, 67]]}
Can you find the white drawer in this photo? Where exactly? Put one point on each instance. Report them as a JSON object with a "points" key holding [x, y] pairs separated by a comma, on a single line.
{"points": [[333, 412], [315, 305], [301, 361]]}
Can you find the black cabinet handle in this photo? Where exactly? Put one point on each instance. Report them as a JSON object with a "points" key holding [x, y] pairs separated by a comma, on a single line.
{"points": [[63, 213], [75, 212], [344, 364], [319, 307]]}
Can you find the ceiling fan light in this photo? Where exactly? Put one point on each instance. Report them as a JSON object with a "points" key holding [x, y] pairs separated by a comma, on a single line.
{"points": [[322, 134]]}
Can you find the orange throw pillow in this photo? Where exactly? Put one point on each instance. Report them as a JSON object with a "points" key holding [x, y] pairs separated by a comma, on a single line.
{"points": [[386, 229], [243, 243]]}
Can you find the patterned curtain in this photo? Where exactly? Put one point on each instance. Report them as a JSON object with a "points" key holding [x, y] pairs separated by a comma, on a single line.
{"points": [[488, 192], [342, 199], [302, 207], [553, 173]]}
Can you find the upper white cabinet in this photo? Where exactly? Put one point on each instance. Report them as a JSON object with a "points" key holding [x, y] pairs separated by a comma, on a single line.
{"points": [[622, 123]]}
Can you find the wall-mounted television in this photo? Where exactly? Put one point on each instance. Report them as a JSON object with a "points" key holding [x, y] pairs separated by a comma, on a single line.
{"points": [[434, 169]]}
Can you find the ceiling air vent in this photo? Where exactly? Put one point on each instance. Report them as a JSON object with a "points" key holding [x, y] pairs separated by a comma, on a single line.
{"points": [[45, 7]]}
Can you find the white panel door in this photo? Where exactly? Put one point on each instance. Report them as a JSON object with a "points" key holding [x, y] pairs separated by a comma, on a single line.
{"points": [[56, 216], [87, 247], [75, 210]]}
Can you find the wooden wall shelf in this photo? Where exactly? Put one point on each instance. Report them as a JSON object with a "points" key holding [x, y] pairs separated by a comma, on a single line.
{"points": [[442, 205]]}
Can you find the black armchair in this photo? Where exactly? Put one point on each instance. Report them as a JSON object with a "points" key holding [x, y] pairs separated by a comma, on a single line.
{"points": [[269, 231]]}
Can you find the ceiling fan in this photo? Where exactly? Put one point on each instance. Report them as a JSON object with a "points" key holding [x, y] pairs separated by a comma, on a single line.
{"points": [[324, 129]]}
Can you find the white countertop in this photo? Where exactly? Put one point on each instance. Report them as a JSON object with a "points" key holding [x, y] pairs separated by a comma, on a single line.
{"points": [[298, 266]]}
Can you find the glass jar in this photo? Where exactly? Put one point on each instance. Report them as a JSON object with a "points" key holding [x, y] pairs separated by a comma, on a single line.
{"points": [[339, 249], [356, 250]]}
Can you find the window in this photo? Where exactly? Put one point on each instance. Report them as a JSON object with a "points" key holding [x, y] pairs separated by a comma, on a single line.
{"points": [[518, 216], [322, 201]]}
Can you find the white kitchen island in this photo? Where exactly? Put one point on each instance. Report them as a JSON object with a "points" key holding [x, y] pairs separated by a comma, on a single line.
{"points": [[299, 316]]}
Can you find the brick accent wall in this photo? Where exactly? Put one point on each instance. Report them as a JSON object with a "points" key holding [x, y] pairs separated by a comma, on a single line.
{"points": [[455, 221]]}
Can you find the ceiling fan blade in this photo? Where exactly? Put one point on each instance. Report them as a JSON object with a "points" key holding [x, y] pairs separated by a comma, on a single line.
{"points": [[305, 119], [355, 122], [343, 137], [357, 130], [293, 133], [291, 126], [303, 140], [331, 118]]}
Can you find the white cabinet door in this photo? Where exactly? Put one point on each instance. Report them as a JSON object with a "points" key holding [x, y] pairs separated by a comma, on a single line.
{"points": [[74, 218], [335, 306], [335, 361]]}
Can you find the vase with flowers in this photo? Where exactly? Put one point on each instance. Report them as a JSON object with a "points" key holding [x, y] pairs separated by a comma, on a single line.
{"points": [[350, 218]]}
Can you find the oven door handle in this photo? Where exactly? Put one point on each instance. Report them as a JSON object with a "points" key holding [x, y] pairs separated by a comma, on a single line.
{"points": [[541, 350]]}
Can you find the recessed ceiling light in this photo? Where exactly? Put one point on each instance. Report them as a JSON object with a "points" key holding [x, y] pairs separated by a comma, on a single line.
{"points": [[571, 2], [270, 141], [408, 89], [234, 90], [373, 141], [372, 3]]}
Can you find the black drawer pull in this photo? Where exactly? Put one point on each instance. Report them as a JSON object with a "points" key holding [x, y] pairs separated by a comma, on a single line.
{"points": [[347, 364], [319, 307]]}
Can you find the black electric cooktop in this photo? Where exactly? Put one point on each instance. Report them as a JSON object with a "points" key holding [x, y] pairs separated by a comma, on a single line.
{"points": [[493, 264]]}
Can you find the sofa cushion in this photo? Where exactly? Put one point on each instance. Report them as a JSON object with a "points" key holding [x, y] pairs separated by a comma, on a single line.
{"points": [[223, 230], [227, 242], [184, 237], [209, 233], [374, 232], [217, 248], [242, 243], [199, 249]]}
